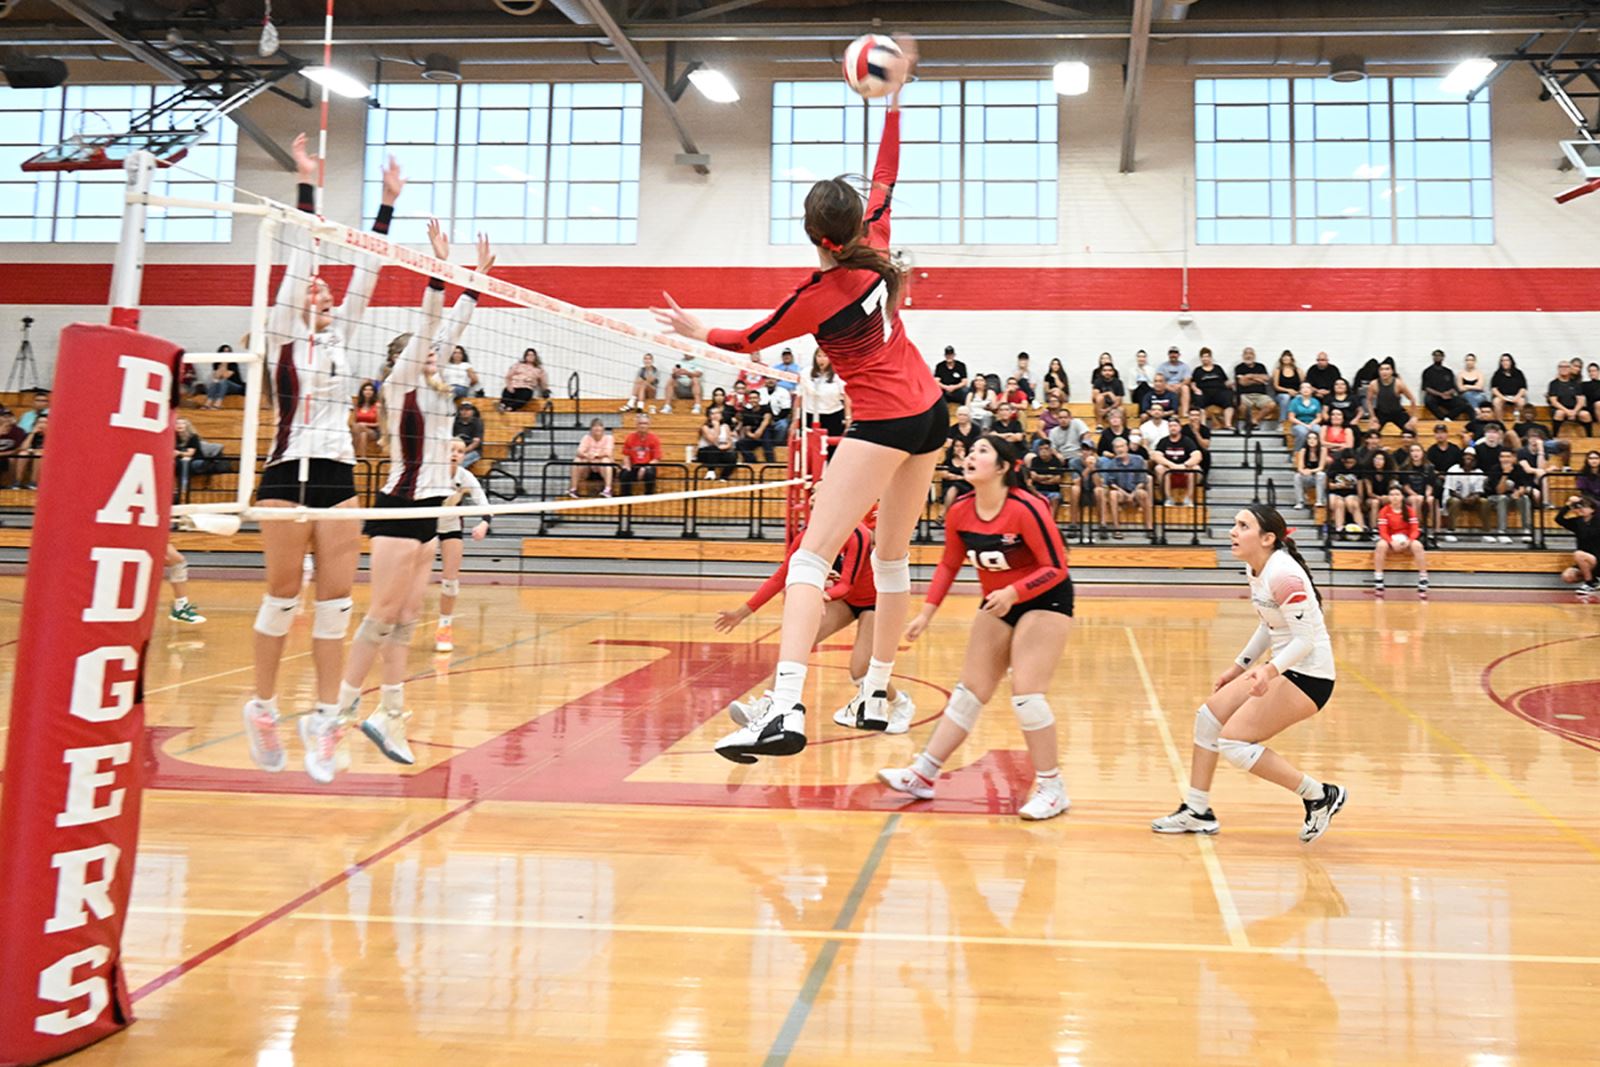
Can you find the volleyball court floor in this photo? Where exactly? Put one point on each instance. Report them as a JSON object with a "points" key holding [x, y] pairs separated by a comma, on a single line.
{"points": [[570, 876]]}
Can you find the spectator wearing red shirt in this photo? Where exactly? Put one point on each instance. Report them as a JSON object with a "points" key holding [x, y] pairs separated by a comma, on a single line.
{"points": [[1399, 530], [640, 454]]}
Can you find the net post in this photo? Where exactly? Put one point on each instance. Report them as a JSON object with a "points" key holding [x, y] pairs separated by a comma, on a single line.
{"points": [[256, 370], [127, 268]]}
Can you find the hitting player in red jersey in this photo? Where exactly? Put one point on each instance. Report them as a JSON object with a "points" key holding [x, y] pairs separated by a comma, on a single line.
{"points": [[1007, 533], [851, 306], [850, 599]]}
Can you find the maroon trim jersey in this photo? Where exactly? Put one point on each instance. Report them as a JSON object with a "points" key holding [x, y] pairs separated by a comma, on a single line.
{"points": [[847, 312], [1020, 547]]}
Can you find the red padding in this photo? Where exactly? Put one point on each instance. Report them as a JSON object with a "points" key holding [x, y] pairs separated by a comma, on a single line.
{"points": [[75, 758]]}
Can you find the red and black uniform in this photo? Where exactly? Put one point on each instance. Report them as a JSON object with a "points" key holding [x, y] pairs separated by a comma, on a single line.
{"points": [[855, 585], [894, 398], [1020, 547]]}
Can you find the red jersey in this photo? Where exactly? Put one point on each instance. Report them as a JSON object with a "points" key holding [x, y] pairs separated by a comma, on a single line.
{"points": [[1391, 522], [855, 585], [1020, 547], [642, 448], [845, 311]]}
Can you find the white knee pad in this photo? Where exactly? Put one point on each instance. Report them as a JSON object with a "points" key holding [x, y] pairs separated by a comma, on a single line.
{"points": [[892, 575], [179, 572], [963, 708], [1033, 711], [1206, 729], [330, 619], [450, 586], [807, 568], [374, 632], [1242, 754], [276, 615], [401, 633]]}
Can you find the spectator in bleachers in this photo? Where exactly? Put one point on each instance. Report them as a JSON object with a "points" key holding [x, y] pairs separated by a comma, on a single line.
{"points": [[1344, 493], [644, 383], [1591, 391], [1069, 432], [594, 459], [1443, 453], [1441, 391], [951, 374], [1015, 395], [11, 438], [1154, 427], [468, 429], [1124, 479], [1565, 394], [1399, 454], [1479, 425], [1377, 478], [1116, 427], [716, 453], [1177, 464], [1508, 388], [1470, 382], [1049, 418], [823, 396], [754, 422], [1510, 483], [982, 402], [1342, 399], [1335, 434], [225, 382], [1322, 374], [1024, 377], [686, 382], [1254, 385], [366, 421], [1106, 391], [1286, 382], [780, 402], [1398, 520], [1143, 380], [525, 380], [1489, 447], [1047, 470], [1083, 493], [1198, 432], [1388, 398], [1008, 426], [1463, 491], [1589, 475], [719, 399], [1055, 377], [1176, 370], [1304, 413], [965, 430], [787, 364], [38, 407], [952, 471], [1159, 396], [458, 374], [190, 460], [32, 451], [1536, 456], [1311, 470], [641, 451], [1364, 378], [1577, 516], [1208, 388], [1419, 482], [748, 380]]}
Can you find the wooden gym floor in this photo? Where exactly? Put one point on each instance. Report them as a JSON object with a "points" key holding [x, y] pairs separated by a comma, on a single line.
{"points": [[569, 876]]}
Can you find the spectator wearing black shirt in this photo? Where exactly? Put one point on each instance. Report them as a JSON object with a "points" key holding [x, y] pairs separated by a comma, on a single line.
{"points": [[1024, 377], [1419, 479], [1591, 391], [1322, 374], [1589, 475], [1399, 454], [1344, 492], [1565, 393], [11, 438], [1160, 396], [965, 430], [1200, 434], [1008, 426], [1389, 399], [31, 454], [1577, 516], [1055, 377], [1311, 470], [1177, 463], [1254, 384], [755, 422], [1046, 472], [1489, 447], [1478, 425], [1441, 392], [1509, 386], [1208, 388], [225, 382], [1537, 454], [1506, 485], [1342, 399], [1365, 377], [951, 374], [1443, 453], [468, 427], [952, 472], [1285, 382], [1106, 391], [1116, 426], [1377, 478]]}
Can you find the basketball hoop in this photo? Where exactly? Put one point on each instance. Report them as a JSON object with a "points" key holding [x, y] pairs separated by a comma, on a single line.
{"points": [[1578, 190], [110, 151]]}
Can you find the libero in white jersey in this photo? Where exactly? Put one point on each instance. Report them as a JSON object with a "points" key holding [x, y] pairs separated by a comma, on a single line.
{"points": [[1256, 699]]}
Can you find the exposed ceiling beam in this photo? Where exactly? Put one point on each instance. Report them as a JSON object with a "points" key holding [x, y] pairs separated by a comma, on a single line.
{"points": [[1133, 80], [641, 70], [1049, 8], [717, 9]]}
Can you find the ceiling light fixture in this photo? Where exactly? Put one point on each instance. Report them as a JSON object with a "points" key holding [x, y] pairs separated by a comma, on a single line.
{"points": [[1468, 75], [338, 82], [1071, 78], [714, 85]]}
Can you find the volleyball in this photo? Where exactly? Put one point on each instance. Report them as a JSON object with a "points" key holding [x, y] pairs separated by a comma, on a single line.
{"points": [[1399, 542], [874, 65]]}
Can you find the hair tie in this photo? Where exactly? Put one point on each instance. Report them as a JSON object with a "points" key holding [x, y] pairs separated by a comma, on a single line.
{"points": [[831, 245], [1288, 531]]}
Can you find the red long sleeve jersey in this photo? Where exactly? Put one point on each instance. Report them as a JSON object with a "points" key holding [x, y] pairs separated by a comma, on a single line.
{"points": [[847, 312], [1020, 547], [855, 585], [1391, 522]]}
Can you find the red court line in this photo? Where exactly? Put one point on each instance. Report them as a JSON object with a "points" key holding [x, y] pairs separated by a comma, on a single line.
{"points": [[1510, 704]]}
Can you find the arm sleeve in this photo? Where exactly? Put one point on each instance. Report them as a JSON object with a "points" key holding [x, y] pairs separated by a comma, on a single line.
{"points": [[288, 307], [793, 318], [769, 588], [1254, 647], [1303, 615], [455, 323], [1043, 539], [949, 566], [364, 277], [850, 569], [407, 370], [884, 174]]}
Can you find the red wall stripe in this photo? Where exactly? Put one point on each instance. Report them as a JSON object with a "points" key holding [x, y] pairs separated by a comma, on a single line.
{"points": [[1360, 289]]}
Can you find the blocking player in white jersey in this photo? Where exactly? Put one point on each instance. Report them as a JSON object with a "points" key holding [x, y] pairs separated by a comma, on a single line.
{"points": [[464, 486], [1253, 700], [311, 464], [420, 406]]}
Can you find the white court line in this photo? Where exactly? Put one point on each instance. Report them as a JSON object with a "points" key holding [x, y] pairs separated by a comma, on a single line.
{"points": [[1208, 851], [219, 674], [890, 937]]}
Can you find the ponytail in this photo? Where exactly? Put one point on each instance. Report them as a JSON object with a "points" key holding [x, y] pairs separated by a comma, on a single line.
{"points": [[1011, 457], [857, 254], [834, 222]]}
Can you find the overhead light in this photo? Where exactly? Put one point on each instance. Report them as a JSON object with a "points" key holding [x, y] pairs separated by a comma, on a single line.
{"points": [[338, 82], [1071, 78], [438, 67], [714, 85], [1347, 68], [1468, 75]]}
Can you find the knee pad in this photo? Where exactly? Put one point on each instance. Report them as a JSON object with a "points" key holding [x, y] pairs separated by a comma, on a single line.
{"points": [[374, 632], [330, 619], [1206, 729], [1033, 711], [179, 572], [401, 633], [963, 708], [892, 575], [807, 568], [450, 586], [276, 615], [1242, 754]]}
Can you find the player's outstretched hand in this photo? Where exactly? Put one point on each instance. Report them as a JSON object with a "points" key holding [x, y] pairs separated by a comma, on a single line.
{"points": [[438, 239], [485, 254], [480, 531], [393, 181], [728, 620], [305, 164], [679, 321]]}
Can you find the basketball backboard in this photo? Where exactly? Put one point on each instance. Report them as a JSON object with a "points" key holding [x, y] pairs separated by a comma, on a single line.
{"points": [[109, 151]]}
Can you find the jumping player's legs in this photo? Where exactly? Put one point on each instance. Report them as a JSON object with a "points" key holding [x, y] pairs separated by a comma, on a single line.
{"points": [[336, 547], [900, 507], [283, 549], [394, 564]]}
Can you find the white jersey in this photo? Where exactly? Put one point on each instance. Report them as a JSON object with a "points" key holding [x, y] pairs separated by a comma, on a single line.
{"points": [[464, 486], [421, 414], [1291, 620], [312, 375]]}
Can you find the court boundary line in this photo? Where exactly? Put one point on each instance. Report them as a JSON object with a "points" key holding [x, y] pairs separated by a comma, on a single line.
{"points": [[1226, 905]]}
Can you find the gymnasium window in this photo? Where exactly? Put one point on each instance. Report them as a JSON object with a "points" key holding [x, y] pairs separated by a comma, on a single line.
{"points": [[525, 163], [977, 159], [86, 206], [1313, 161]]}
